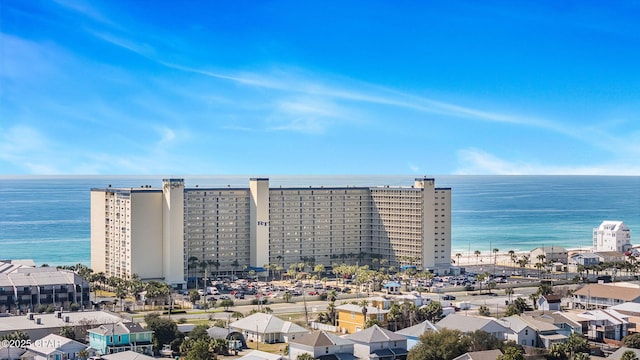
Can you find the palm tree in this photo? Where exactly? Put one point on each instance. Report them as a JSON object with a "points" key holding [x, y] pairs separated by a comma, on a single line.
{"points": [[512, 255], [540, 264], [235, 265], [509, 292], [364, 304], [495, 255], [477, 254], [192, 263], [458, 256]]}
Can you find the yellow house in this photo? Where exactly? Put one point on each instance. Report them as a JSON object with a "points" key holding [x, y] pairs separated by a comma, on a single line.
{"points": [[351, 319]]}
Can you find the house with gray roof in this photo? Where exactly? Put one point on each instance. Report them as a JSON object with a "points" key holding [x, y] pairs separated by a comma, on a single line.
{"points": [[11, 352], [529, 331], [127, 355], [468, 324], [480, 355], [40, 325], [602, 296], [414, 332], [321, 345], [267, 328], [55, 347], [375, 343]]}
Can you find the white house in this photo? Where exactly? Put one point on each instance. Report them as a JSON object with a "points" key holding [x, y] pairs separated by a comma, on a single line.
{"points": [[414, 332], [55, 347], [612, 236], [376, 343], [469, 324], [267, 328]]}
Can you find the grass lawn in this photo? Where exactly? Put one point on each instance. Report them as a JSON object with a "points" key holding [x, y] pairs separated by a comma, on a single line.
{"points": [[270, 348]]}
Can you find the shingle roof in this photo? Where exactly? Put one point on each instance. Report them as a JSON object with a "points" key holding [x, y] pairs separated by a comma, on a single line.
{"points": [[467, 323], [417, 330], [119, 328], [374, 334], [609, 292], [320, 338], [267, 324], [127, 355], [480, 355], [358, 309]]}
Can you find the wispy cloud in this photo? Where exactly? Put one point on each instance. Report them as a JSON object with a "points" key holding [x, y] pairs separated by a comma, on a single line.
{"points": [[478, 162]]}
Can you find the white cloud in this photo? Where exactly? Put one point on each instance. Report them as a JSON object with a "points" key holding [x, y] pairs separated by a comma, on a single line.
{"points": [[478, 162]]}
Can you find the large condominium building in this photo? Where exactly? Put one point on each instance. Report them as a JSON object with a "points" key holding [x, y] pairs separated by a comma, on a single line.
{"points": [[173, 232], [612, 236]]}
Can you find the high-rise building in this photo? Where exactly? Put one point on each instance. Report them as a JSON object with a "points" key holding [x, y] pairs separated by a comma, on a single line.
{"points": [[612, 236], [174, 233]]}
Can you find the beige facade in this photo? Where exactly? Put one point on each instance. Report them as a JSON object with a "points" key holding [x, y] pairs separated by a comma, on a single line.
{"points": [[228, 229]]}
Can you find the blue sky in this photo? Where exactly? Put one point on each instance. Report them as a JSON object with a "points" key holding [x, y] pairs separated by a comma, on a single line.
{"points": [[319, 87]]}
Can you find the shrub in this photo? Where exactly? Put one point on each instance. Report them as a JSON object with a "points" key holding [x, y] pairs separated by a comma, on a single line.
{"points": [[41, 308], [50, 309], [74, 307]]}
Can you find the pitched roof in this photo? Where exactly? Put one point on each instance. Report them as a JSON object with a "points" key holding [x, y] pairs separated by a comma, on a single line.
{"points": [[260, 355], [480, 355], [552, 299], [267, 324], [127, 355], [320, 338], [606, 291], [374, 334], [467, 323], [52, 343], [119, 329], [417, 330]]}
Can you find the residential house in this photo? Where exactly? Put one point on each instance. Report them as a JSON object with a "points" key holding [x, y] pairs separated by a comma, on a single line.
{"points": [[549, 302], [612, 236], [584, 259], [566, 326], [351, 318], [41, 325], [633, 311], [610, 256], [378, 343], [392, 287], [121, 336], [267, 328], [11, 352], [56, 347], [470, 323], [551, 254], [605, 324], [260, 355], [127, 355], [529, 331], [480, 355], [602, 296], [414, 332], [602, 325], [321, 344]]}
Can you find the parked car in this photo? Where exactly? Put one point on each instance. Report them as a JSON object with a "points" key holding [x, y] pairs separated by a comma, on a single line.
{"points": [[448, 297]]}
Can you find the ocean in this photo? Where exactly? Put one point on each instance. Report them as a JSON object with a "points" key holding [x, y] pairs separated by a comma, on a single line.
{"points": [[47, 219]]}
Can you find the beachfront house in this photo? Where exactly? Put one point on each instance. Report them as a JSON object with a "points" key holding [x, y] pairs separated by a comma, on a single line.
{"points": [[612, 236], [555, 254]]}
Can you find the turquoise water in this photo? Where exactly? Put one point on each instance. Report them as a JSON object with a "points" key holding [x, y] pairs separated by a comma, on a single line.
{"points": [[48, 219]]}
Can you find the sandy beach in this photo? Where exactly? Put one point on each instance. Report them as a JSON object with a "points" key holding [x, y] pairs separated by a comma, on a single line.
{"points": [[500, 258]]}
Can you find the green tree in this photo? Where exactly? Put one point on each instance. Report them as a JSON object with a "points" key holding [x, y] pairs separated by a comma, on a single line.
{"points": [[512, 353], [287, 296], [219, 346], [199, 350], [226, 304], [199, 332], [371, 322], [444, 344], [16, 335], [364, 304], [433, 311], [480, 340], [477, 254], [577, 344], [305, 356], [164, 331], [629, 355], [632, 341], [194, 296], [483, 310], [68, 332]]}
